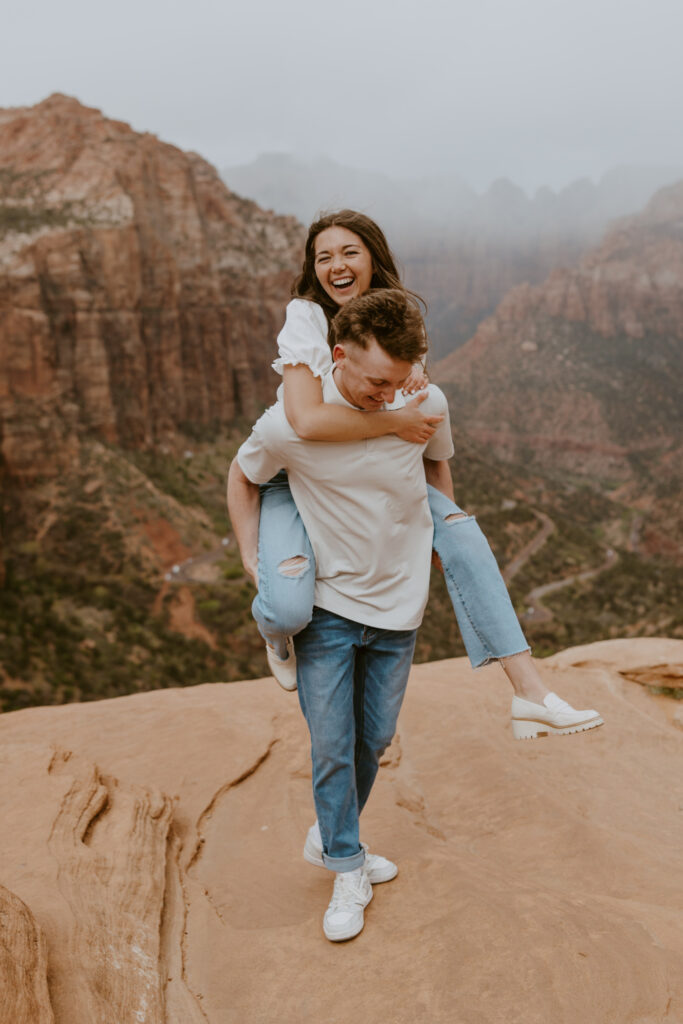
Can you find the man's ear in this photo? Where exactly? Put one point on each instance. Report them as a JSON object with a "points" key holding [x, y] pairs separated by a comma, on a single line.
{"points": [[338, 354]]}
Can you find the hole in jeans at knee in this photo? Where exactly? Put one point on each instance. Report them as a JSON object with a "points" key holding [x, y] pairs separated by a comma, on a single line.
{"points": [[293, 567], [454, 516]]}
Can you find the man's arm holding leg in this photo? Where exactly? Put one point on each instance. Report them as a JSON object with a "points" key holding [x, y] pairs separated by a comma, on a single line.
{"points": [[244, 509]]}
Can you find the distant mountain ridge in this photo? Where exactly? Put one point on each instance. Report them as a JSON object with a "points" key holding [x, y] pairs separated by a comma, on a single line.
{"points": [[582, 375], [461, 251], [302, 188]]}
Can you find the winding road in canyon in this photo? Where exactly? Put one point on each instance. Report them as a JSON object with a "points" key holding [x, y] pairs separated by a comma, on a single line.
{"points": [[536, 610], [200, 569]]}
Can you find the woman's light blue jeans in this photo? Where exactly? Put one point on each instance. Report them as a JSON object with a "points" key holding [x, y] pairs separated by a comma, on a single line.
{"points": [[351, 681], [286, 571]]}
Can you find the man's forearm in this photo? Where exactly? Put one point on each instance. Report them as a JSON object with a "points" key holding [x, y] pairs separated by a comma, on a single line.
{"points": [[244, 509], [438, 474]]}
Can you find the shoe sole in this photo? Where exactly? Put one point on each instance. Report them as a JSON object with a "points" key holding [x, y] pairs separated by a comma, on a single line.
{"points": [[287, 689], [374, 877], [283, 686], [528, 729], [344, 936]]}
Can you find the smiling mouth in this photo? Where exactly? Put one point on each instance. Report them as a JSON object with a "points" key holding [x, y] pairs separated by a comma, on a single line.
{"points": [[343, 282]]}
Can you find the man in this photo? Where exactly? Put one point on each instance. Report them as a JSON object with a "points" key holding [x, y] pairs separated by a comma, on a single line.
{"points": [[364, 506]]}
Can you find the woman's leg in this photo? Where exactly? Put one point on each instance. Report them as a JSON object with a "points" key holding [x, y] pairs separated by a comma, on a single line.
{"points": [[524, 677], [286, 568], [487, 620], [489, 625], [482, 605]]}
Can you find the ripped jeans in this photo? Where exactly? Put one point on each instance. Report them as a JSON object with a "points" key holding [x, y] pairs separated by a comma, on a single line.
{"points": [[286, 572]]}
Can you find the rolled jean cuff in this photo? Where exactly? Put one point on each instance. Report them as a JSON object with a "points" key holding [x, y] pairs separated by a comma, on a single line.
{"points": [[345, 863]]}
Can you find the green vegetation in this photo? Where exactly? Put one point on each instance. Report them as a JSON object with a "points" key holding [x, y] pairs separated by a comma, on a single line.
{"points": [[86, 613], [634, 598], [85, 629]]}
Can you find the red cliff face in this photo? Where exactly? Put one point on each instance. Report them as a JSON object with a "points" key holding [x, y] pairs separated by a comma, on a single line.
{"points": [[463, 281], [137, 293], [582, 373]]}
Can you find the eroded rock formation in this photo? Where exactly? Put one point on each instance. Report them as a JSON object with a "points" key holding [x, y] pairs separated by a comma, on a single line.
{"points": [[137, 294], [155, 840], [582, 373], [24, 997], [109, 843]]}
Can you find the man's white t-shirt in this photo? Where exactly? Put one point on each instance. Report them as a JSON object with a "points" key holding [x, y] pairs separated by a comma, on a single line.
{"points": [[364, 506]]}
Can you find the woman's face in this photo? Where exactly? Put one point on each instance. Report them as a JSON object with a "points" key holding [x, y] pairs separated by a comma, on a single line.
{"points": [[343, 264]]}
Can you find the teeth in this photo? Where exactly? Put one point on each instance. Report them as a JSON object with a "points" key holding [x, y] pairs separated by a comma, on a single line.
{"points": [[343, 282]]}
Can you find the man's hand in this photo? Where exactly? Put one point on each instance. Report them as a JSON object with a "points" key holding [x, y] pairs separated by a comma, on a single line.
{"points": [[415, 425]]}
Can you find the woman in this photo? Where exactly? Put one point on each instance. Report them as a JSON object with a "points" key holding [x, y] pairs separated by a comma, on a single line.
{"points": [[346, 254]]}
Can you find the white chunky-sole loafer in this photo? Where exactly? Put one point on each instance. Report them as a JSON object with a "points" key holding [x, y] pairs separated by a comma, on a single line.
{"points": [[554, 717], [283, 670], [378, 869]]}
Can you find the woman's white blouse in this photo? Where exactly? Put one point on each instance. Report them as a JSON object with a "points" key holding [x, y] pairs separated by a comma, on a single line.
{"points": [[303, 339]]}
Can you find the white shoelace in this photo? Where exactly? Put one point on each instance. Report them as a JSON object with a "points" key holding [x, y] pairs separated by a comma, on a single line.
{"points": [[347, 890]]}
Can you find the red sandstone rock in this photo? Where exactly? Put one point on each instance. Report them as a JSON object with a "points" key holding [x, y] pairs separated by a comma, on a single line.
{"points": [[582, 373], [137, 294], [161, 859], [24, 997]]}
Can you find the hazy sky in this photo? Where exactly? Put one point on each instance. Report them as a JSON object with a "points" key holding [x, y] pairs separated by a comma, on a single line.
{"points": [[541, 91]]}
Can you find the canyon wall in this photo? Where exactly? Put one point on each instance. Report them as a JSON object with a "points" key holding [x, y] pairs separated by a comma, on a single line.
{"points": [[582, 373], [138, 295]]}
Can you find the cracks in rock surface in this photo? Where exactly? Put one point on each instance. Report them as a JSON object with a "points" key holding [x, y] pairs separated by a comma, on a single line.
{"points": [[209, 809], [408, 793], [182, 1004]]}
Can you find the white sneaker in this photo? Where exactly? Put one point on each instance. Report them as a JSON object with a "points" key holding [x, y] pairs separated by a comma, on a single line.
{"points": [[378, 869], [344, 917], [284, 669], [553, 717]]}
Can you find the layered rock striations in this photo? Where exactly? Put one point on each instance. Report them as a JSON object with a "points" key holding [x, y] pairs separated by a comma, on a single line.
{"points": [[137, 294], [464, 278], [151, 868], [582, 374], [23, 965]]}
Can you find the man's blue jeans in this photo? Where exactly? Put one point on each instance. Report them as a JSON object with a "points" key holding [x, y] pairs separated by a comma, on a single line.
{"points": [[351, 682]]}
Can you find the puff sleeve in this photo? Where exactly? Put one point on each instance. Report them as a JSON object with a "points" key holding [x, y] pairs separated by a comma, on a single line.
{"points": [[303, 339]]}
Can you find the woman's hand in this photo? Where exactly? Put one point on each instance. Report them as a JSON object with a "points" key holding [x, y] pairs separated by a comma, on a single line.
{"points": [[416, 381], [415, 426]]}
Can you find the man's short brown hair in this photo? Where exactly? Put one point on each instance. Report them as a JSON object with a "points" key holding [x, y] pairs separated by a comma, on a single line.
{"points": [[388, 316]]}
